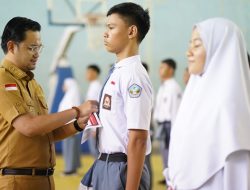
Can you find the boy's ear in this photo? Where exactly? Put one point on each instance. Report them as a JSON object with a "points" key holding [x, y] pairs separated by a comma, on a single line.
{"points": [[133, 32]]}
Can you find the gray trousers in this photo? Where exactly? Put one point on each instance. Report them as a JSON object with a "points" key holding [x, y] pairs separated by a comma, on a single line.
{"points": [[164, 154], [163, 136], [72, 153], [148, 164], [112, 176]]}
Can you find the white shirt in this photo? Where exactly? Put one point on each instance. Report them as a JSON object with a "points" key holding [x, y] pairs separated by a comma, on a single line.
{"points": [[94, 90], [72, 96], [126, 103], [167, 101], [213, 120]]}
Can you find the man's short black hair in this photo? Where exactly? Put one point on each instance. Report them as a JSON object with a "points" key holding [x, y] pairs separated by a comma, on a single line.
{"points": [[95, 68], [15, 30], [170, 62], [133, 14]]}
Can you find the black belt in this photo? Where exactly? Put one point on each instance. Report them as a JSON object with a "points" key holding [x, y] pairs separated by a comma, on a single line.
{"points": [[26, 171], [116, 157]]}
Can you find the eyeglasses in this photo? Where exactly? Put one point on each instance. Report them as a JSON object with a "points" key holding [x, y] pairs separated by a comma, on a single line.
{"points": [[35, 49]]}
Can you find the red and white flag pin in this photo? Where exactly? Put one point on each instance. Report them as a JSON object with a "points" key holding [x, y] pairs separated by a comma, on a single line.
{"points": [[94, 120], [9, 87], [93, 123]]}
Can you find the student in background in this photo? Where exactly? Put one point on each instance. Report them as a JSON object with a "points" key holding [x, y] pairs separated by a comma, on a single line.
{"points": [[92, 76], [167, 103], [70, 146]]}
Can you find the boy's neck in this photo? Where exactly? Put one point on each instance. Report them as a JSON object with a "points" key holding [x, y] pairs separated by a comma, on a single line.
{"points": [[127, 52], [92, 80], [166, 78]]}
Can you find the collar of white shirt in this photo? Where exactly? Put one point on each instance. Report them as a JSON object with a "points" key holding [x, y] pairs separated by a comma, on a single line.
{"points": [[126, 61], [168, 80]]}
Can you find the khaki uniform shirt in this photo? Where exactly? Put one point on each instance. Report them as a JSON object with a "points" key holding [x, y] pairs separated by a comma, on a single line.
{"points": [[21, 94]]}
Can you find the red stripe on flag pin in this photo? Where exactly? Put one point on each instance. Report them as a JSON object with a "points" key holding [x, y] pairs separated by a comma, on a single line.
{"points": [[9, 87], [93, 120], [113, 82]]}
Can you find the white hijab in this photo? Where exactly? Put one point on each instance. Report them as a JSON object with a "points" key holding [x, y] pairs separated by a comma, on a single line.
{"points": [[71, 96], [214, 116]]}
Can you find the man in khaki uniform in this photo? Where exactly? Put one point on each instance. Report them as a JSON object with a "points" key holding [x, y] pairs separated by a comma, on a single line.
{"points": [[27, 131]]}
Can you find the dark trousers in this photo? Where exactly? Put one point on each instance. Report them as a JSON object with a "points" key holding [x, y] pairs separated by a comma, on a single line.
{"points": [[163, 135]]}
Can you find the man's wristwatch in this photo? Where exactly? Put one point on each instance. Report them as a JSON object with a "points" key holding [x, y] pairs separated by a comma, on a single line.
{"points": [[77, 127]]}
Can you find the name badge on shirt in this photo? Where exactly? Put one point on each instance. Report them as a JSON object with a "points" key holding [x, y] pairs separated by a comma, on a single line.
{"points": [[106, 104]]}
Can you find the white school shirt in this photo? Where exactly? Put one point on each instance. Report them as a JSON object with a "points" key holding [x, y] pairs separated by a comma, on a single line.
{"points": [[94, 90], [167, 101], [126, 103]]}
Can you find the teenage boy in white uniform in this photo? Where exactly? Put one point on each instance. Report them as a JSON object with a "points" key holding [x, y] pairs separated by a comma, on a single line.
{"points": [[168, 100], [93, 92], [125, 106]]}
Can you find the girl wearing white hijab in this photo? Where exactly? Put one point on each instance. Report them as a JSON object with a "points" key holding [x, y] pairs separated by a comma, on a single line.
{"points": [[71, 145], [210, 141]]}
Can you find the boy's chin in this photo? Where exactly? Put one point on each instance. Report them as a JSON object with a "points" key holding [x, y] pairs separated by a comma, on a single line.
{"points": [[110, 50]]}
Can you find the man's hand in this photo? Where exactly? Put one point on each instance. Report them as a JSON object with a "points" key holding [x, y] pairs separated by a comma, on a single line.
{"points": [[88, 107], [83, 121]]}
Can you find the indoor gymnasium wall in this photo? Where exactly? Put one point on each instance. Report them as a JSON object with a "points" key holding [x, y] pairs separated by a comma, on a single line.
{"points": [[171, 25]]}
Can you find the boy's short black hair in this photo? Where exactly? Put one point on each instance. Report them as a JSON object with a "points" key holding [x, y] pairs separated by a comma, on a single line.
{"points": [[170, 62], [15, 30], [95, 68], [133, 14]]}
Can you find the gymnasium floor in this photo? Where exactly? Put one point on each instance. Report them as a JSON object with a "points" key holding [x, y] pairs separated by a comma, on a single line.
{"points": [[72, 182]]}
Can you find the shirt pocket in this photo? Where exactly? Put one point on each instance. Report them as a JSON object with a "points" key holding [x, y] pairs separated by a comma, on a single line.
{"points": [[31, 107], [42, 104]]}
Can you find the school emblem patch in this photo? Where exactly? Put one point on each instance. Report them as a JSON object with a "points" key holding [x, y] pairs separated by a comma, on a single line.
{"points": [[134, 91], [106, 104]]}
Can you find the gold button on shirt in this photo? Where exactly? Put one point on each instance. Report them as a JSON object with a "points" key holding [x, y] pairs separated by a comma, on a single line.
{"points": [[21, 94]]}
